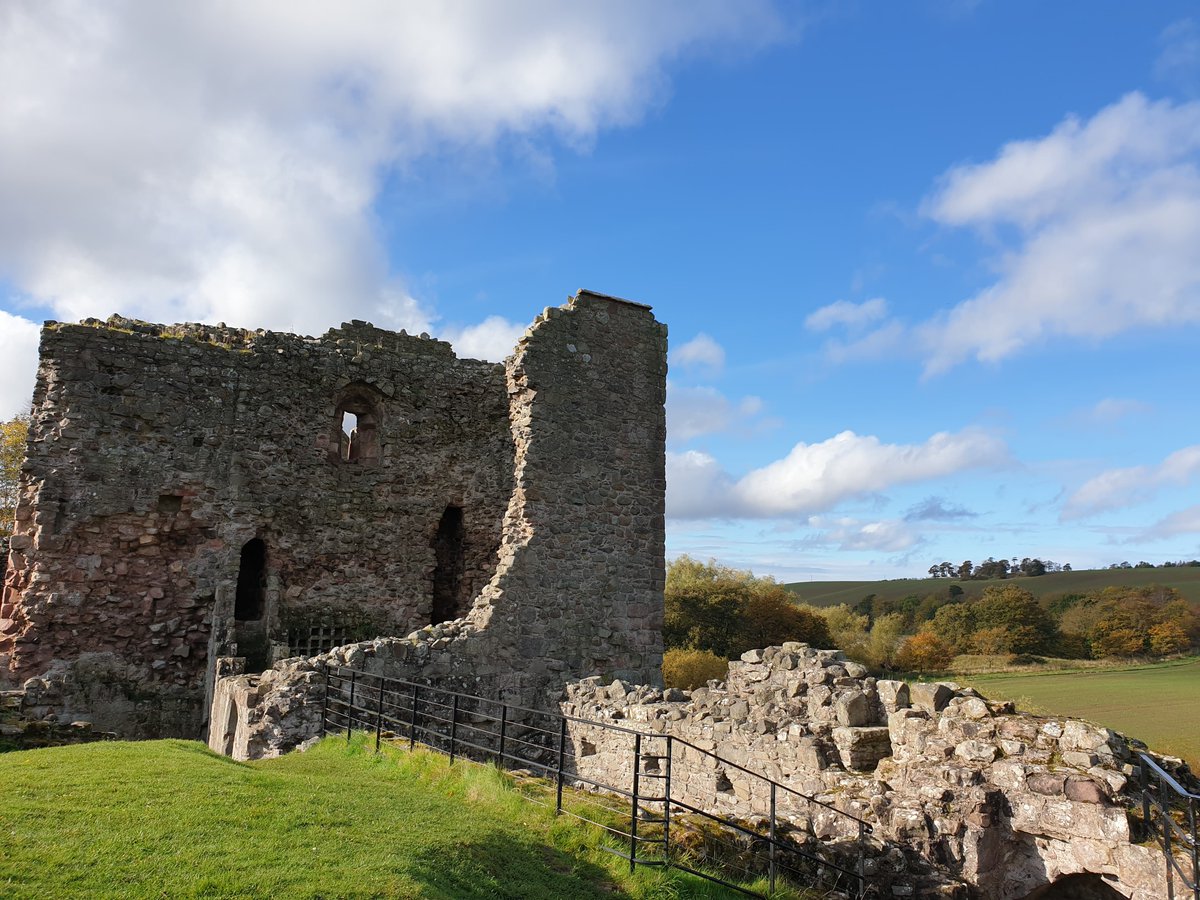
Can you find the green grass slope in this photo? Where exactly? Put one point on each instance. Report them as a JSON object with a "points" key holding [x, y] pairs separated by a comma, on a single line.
{"points": [[1185, 579], [1159, 704], [171, 819]]}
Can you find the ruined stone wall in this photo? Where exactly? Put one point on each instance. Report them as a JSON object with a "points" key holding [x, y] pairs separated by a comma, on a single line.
{"points": [[157, 453], [964, 788], [579, 585]]}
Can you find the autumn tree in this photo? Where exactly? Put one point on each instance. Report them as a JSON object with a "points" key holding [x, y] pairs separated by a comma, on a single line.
{"points": [[925, 652], [726, 611], [13, 434]]}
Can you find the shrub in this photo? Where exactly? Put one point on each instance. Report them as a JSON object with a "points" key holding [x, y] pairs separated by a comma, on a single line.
{"points": [[925, 652], [1167, 638], [688, 669], [770, 618]]}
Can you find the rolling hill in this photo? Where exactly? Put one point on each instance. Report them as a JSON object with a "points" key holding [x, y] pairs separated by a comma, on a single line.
{"points": [[1185, 579]]}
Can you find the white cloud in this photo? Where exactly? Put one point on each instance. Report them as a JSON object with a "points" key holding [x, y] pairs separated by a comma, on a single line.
{"points": [[1111, 410], [493, 339], [1179, 60], [1106, 214], [813, 478], [885, 536], [698, 488], [696, 411], [847, 314], [18, 356], [1120, 488], [1185, 521], [701, 352], [220, 160]]}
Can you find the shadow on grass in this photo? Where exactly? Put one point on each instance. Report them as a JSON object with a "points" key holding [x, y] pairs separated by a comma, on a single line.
{"points": [[495, 867]]}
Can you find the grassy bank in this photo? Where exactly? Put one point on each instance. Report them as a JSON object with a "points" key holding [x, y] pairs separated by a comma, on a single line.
{"points": [[1159, 703], [170, 819]]}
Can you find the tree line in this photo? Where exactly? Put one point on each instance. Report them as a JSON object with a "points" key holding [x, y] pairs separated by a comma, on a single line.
{"points": [[714, 613], [1030, 567]]}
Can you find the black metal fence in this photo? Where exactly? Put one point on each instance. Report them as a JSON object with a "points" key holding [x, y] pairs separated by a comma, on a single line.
{"points": [[1169, 811], [813, 845]]}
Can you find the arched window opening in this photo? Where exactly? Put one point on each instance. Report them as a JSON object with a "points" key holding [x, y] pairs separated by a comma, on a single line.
{"points": [[357, 429], [252, 582], [448, 548]]}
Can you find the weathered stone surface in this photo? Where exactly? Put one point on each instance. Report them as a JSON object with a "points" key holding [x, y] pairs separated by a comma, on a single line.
{"points": [[930, 697], [935, 783], [521, 501]]}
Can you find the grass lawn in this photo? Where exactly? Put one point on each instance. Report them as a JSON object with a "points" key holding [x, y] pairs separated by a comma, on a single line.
{"points": [[1159, 704], [170, 819]]}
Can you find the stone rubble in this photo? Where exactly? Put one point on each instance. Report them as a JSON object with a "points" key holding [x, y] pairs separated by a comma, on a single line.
{"points": [[966, 787]]}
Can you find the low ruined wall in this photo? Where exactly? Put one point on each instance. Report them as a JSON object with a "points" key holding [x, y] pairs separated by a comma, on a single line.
{"points": [[1006, 802]]}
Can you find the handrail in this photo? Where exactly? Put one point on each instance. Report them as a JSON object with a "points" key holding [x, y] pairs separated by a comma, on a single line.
{"points": [[769, 780], [1179, 799], [1164, 775], [351, 702]]}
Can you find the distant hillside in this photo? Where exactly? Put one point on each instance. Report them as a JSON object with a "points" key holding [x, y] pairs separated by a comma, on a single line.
{"points": [[1185, 579]]}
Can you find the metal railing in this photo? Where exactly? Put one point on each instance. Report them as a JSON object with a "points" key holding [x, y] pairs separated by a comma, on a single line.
{"points": [[1169, 813], [648, 812]]}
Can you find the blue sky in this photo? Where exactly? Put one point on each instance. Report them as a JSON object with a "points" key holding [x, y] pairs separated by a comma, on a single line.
{"points": [[931, 270]]}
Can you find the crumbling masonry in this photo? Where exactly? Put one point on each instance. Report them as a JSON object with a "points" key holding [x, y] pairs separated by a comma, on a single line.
{"points": [[195, 493]]}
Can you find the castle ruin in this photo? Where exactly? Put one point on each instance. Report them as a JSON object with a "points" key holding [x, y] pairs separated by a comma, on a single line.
{"points": [[194, 493]]}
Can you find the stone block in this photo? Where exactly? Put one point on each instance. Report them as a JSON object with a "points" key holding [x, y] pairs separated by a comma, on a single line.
{"points": [[861, 749], [931, 697], [893, 695], [853, 708]]}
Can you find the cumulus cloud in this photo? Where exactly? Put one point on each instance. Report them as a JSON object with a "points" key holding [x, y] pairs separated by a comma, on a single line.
{"points": [[1121, 488], [221, 160], [1106, 218], [885, 536], [846, 314], [937, 509], [701, 352], [814, 478], [493, 339], [18, 355], [695, 411]]}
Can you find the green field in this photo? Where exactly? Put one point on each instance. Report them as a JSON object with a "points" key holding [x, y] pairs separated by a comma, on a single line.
{"points": [[170, 819], [1159, 704], [1185, 579]]}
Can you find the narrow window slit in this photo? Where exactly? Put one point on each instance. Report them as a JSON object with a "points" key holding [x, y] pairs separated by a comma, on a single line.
{"points": [[252, 582]]}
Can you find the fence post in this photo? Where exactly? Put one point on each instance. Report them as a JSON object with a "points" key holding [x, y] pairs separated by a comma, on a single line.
{"points": [[667, 803], [562, 749], [325, 705], [379, 716], [1195, 850], [633, 809], [1144, 772], [1164, 812], [862, 859], [350, 709], [771, 852], [412, 724], [503, 730], [453, 725]]}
